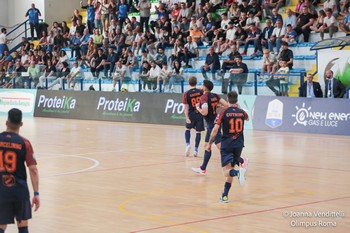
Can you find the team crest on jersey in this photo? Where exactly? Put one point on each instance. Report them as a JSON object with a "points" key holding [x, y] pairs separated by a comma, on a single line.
{"points": [[8, 180]]}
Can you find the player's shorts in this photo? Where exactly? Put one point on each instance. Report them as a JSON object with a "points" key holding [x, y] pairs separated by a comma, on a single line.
{"points": [[20, 210], [210, 127], [231, 156], [197, 123]]}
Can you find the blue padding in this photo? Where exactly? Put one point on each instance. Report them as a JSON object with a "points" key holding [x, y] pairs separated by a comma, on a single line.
{"points": [[310, 57], [298, 57]]}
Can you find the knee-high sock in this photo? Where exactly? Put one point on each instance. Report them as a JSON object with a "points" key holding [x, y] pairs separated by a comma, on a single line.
{"points": [[207, 155], [23, 230], [198, 140], [227, 187], [187, 137], [233, 172]]}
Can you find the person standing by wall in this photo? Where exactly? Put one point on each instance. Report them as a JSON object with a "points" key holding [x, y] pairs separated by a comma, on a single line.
{"points": [[33, 14]]}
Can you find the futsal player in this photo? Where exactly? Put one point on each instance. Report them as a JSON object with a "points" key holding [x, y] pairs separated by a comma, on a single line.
{"points": [[231, 120], [194, 120], [15, 152], [208, 106]]}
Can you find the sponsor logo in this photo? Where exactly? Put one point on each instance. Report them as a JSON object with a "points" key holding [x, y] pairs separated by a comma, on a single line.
{"points": [[14, 99], [306, 117], [57, 104], [274, 115], [175, 108], [118, 107]]}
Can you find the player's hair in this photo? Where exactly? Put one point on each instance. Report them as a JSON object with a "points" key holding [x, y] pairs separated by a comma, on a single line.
{"points": [[232, 97], [192, 81], [208, 84], [15, 116]]}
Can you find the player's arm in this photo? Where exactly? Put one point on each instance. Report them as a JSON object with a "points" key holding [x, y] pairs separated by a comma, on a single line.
{"points": [[202, 110], [186, 114], [223, 103], [34, 177]]}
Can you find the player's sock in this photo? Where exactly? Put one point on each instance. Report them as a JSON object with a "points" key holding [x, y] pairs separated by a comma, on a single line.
{"points": [[187, 137], [207, 155], [23, 230], [198, 140], [227, 187], [233, 172], [2, 231]]}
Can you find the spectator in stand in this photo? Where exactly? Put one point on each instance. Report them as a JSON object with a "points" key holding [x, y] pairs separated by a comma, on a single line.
{"points": [[145, 12], [305, 20], [144, 75], [286, 55], [34, 73], [280, 81], [105, 14], [346, 8], [76, 15], [49, 73], [75, 45], [184, 11], [266, 33], [3, 42], [91, 49], [254, 39], [345, 25], [6, 58], [333, 87], [290, 18], [275, 16], [80, 27], [212, 64], [122, 12], [176, 35], [119, 74], [276, 37], [268, 5], [17, 74], [209, 28], [190, 51], [240, 36], [165, 75], [197, 35], [132, 63], [319, 21], [34, 14], [160, 58], [238, 74], [76, 72], [291, 37], [159, 37], [234, 13], [330, 4], [200, 13], [109, 63], [161, 12], [269, 63], [299, 7], [90, 8], [244, 7], [176, 75], [97, 63], [329, 24], [252, 19], [154, 76], [255, 8], [310, 89], [185, 27], [98, 16], [243, 21], [230, 37], [227, 64]]}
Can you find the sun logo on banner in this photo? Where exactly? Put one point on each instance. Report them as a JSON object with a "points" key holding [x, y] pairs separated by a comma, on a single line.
{"points": [[301, 115]]}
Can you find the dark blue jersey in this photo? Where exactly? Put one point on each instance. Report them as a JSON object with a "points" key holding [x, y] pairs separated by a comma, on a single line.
{"points": [[192, 97], [210, 100], [15, 151], [231, 121]]}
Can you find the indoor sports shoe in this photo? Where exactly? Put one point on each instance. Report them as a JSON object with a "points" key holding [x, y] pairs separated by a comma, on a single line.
{"points": [[224, 199], [188, 150], [195, 153], [242, 171], [199, 170]]}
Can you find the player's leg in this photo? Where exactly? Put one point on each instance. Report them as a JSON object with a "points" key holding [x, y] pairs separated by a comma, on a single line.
{"points": [[242, 162], [188, 140], [7, 215], [207, 154], [23, 213], [2, 228], [199, 126]]}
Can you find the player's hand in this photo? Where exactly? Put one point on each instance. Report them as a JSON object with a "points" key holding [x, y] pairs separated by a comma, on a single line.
{"points": [[36, 203], [208, 147], [188, 121]]}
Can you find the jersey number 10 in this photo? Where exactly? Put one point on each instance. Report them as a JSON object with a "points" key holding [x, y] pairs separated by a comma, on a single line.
{"points": [[236, 125], [8, 161]]}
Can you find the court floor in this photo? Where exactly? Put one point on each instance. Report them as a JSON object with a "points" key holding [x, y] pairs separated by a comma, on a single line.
{"points": [[122, 177]]}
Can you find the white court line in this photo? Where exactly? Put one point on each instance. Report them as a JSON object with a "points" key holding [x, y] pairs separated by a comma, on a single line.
{"points": [[96, 164]]}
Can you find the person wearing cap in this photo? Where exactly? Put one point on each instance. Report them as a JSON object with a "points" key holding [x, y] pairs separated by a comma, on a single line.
{"points": [[286, 55], [17, 153], [310, 88]]}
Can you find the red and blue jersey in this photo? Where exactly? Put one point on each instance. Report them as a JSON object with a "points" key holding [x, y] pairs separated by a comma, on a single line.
{"points": [[192, 97], [210, 100], [231, 121], [15, 152]]}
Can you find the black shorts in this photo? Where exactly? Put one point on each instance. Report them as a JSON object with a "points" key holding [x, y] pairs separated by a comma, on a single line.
{"points": [[210, 127], [230, 156], [21, 210], [197, 123]]}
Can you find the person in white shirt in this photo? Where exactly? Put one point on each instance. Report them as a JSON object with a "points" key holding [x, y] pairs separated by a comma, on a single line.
{"points": [[330, 4], [76, 72], [290, 18], [329, 24], [165, 75], [3, 41], [154, 74], [276, 37], [177, 75], [119, 74]]}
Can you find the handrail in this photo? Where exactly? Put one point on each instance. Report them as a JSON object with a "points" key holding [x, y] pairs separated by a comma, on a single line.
{"points": [[18, 26]]}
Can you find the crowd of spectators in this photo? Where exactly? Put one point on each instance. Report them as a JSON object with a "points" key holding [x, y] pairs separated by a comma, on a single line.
{"points": [[110, 42]]}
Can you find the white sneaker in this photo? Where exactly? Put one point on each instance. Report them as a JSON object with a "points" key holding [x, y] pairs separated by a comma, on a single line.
{"points": [[242, 171], [195, 153], [199, 170], [188, 150]]}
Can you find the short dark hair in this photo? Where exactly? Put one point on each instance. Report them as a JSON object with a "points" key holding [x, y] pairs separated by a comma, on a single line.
{"points": [[232, 97], [192, 81], [15, 116], [208, 84]]}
